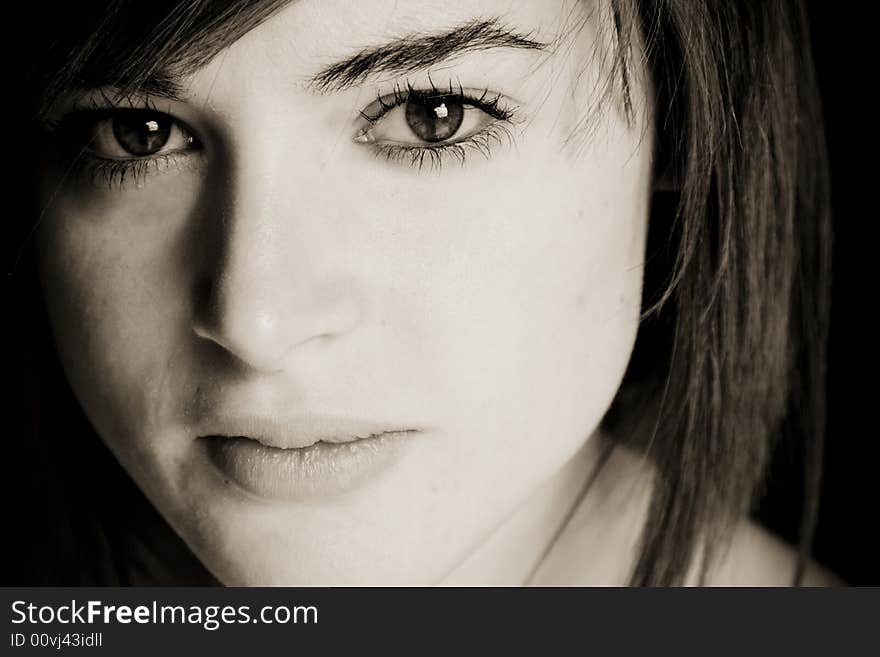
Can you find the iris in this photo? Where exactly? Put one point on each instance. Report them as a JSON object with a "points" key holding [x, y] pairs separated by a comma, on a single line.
{"points": [[142, 133], [434, 118]]}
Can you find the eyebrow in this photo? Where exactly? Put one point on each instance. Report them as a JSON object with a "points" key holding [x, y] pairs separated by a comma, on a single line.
{"points": [[416, 52]]}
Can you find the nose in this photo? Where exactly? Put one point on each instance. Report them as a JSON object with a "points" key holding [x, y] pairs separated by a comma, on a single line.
{"points": [[275, 286], [262, 320]]}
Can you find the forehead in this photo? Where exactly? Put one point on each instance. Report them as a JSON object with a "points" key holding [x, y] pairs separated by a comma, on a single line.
{"points": [[342, 21], [317, 33]]}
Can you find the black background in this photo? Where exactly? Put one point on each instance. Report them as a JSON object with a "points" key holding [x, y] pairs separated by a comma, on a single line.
{"points": [[846, 538]]}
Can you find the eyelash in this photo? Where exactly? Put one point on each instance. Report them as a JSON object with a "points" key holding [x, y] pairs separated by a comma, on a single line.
{"points": [[118, 173], [434, 156]]}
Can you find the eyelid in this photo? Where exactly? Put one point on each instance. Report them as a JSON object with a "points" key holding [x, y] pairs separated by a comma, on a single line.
{"points": [[112, 97], [486, 101], [480, 98], [108, 100]]}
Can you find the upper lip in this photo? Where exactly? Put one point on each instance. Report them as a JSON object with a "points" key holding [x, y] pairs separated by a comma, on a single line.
{"points": [[297, 431]]}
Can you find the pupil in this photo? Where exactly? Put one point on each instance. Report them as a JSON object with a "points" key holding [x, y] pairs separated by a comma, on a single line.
{"points": [[434, 118], [141, 133]]}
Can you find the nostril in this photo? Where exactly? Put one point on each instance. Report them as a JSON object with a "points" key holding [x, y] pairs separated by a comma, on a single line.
{"points": [[257, 343], [204, 306]]}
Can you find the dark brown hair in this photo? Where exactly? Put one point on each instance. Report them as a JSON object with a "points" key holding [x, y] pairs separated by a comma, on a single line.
{"points": [[730, 355], [748, 295]]}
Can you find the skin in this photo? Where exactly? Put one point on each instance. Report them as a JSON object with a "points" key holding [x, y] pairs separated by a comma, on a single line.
{"points": [[286, 269]]}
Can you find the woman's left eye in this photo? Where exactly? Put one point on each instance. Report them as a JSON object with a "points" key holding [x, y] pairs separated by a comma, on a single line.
{"points": [[126, 134], [115, 145], [430, 119]]}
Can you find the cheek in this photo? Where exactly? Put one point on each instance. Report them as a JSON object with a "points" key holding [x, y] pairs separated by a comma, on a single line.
{"points": [[114, 291], [532, 282]]}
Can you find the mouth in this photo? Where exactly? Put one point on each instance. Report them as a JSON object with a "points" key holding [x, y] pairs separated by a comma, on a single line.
{"points": [[297, 432], [304, 446], [301, 459]]}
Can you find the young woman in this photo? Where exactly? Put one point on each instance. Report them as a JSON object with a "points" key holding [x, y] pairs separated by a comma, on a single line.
{"points": [[417, 293]]}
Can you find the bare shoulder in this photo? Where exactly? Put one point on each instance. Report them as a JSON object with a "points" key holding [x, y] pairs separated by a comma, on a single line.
{"points": [[756, 557], [607, 526]]}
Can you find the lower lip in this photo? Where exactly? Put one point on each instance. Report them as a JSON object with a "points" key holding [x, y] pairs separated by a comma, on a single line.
{"points": [[319, 470]]}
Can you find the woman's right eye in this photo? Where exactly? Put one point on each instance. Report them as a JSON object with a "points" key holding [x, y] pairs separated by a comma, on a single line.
{"points": [[126, 134]]}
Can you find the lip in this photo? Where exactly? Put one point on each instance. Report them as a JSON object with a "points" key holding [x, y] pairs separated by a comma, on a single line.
{"points": [[298, 431], [301, 457]]}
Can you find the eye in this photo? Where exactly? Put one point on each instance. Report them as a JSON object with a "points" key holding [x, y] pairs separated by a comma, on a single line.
{"points": [[417, 118], [124, 134]]}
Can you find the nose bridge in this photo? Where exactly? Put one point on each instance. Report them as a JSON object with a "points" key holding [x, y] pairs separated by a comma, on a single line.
{"points": [[274, 284]]}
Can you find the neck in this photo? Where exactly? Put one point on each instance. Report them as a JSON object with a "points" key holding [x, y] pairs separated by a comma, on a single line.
{"points": [[601, 540], [515, 549]]}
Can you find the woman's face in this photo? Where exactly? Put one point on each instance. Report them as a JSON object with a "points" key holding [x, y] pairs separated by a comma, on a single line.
{"points": [[296, 261]]}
